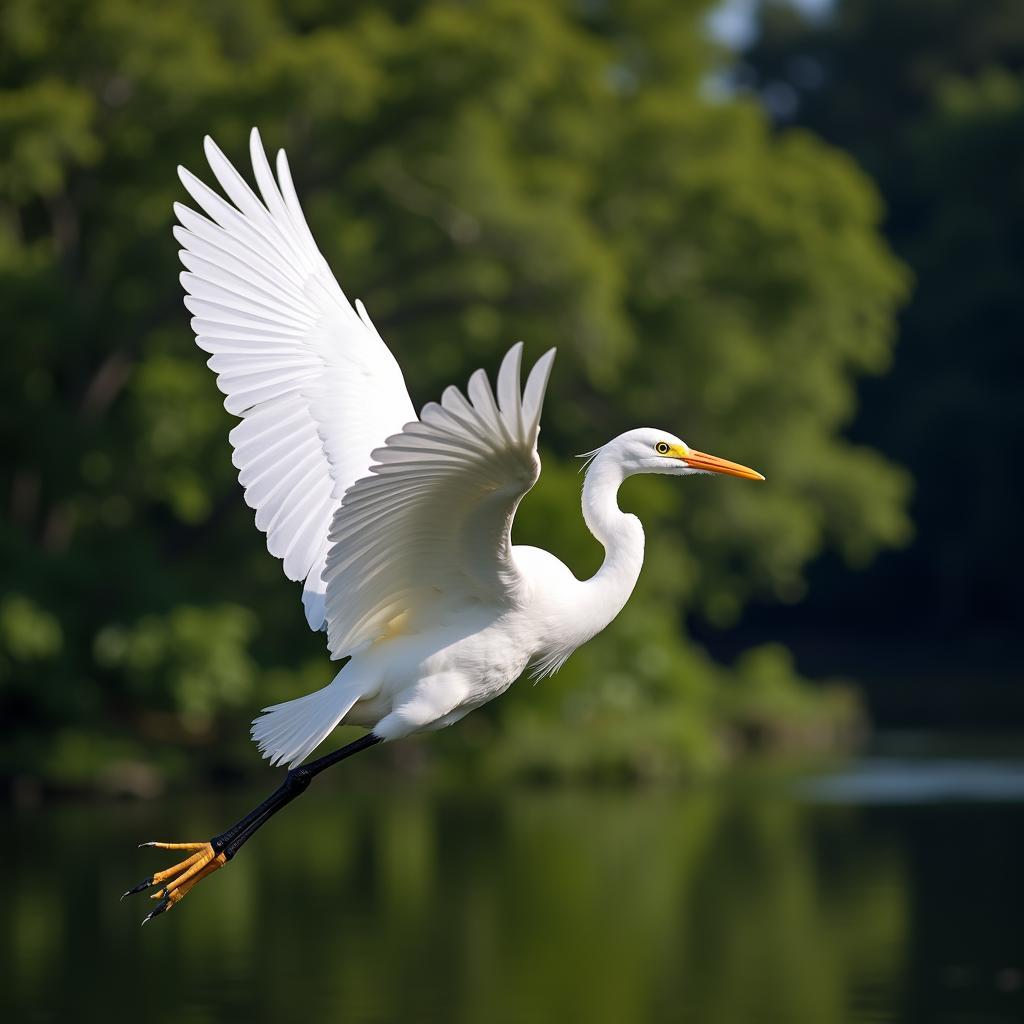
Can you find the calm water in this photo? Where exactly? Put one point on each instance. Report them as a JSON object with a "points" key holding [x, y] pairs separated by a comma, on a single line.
{"points": [[892, 892]]}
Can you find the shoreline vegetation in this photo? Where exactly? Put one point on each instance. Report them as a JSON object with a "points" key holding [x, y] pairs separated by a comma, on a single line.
{"points": [[593, 746]]}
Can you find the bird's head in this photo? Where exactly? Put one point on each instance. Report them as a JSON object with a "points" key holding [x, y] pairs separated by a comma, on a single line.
{"points": [[648, 450]]}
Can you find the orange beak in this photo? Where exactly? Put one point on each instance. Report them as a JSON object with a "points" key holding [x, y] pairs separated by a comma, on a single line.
{"points": [[713, 464]]}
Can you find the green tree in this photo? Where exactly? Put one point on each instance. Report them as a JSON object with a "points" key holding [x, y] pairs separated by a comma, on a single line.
{"points": [[476, 174]]}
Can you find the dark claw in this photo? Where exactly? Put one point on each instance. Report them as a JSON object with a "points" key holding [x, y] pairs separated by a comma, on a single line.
{"points": [[158, 909], [144, 884], [141, 845]]}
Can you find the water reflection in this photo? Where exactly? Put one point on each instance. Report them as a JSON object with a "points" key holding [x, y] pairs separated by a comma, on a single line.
{"points": [[905, 780], [399, 905]]}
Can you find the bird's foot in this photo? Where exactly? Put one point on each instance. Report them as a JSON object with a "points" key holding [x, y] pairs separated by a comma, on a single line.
{"points": [[176, 881]]}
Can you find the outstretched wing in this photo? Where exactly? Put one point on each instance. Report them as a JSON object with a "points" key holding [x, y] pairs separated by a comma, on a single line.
{"points": [[429, 529], [315, 385]]}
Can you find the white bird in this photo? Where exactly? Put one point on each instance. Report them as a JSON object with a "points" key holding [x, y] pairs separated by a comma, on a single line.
{"points": [[398, 526]]}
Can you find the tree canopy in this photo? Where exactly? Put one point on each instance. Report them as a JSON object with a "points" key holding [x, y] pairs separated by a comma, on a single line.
{"points": [[476, 174]]}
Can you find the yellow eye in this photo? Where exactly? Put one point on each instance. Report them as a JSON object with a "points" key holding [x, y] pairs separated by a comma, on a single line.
{"points": [[661, 448]]}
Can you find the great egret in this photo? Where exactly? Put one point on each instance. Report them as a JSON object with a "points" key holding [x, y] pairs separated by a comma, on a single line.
{"points": [[398, 526]]}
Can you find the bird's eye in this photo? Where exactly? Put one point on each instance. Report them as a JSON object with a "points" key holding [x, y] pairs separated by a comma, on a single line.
{"points": [[661, 448]]}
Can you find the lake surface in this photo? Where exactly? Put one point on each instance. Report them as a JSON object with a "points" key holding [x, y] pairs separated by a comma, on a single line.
{"points": [[891, 891]]}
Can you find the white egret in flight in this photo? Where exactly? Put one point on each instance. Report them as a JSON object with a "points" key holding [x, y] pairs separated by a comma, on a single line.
{"points": [[398, 525]]}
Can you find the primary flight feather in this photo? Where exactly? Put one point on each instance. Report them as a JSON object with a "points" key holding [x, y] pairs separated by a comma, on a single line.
{"points": [[398, 526]]}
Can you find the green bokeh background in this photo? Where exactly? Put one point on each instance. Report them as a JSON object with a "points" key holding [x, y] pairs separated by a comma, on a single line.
{"points": [[602, 177], [477, 174], [798, 246]]}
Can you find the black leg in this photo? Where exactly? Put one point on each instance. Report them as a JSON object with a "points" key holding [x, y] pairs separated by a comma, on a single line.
{"points": [[295, 784], [205, 858]]}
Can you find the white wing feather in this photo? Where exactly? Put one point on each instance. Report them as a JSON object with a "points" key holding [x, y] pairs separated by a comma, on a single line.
{"points": [[429, 529], [314, 383]]}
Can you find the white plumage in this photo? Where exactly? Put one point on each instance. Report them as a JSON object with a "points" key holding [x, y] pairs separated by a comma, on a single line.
{"points": [[398, 526], [315, 385], [427, 532]]}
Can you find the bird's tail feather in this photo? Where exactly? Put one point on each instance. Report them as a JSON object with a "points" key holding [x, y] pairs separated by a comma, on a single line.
{"points": [[287, 733]]}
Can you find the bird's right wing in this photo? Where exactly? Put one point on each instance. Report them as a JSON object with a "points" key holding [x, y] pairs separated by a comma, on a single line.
{"points": [[315, 385], [428, 532]]}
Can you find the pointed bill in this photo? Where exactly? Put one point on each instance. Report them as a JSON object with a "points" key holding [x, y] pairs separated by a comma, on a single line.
{"points": [[713, 464]]}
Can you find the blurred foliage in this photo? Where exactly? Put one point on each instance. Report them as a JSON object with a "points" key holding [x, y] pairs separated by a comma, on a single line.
{"points": [[476, 173], [929, 96]]}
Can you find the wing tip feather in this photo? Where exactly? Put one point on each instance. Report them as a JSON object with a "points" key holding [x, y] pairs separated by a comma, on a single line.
{"points": [[536, 386]]}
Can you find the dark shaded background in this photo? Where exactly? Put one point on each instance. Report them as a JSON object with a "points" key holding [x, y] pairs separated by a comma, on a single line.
{"points": [[928, 97]]}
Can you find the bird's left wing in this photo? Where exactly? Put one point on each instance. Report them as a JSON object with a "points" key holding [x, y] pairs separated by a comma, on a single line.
{"points": [[429, 529]]}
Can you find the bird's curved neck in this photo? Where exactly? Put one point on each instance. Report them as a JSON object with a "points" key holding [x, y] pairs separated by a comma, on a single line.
{"points": [[619, 533]]}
